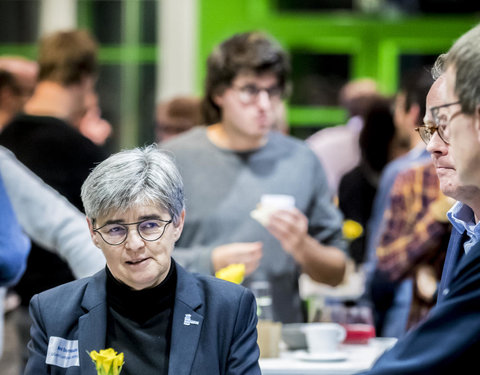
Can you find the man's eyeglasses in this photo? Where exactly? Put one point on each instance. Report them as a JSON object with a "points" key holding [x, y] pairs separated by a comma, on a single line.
{"points": [[441, 120], [116, 234], [249, 94], [426, 132]]}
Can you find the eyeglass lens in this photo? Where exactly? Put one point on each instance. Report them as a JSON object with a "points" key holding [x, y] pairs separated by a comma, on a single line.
{"points": [[426, 132], [249, 93], [149, 230]]}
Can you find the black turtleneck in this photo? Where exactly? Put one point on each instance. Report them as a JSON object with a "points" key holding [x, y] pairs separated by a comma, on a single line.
{"points": [[140, 323], [141, 305]]}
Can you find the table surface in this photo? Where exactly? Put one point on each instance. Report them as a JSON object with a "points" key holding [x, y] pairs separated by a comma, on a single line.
{"points": [[359, 358]]}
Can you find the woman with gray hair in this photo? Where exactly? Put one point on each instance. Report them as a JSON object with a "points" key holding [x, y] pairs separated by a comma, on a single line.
{"points": [[143, 304]]}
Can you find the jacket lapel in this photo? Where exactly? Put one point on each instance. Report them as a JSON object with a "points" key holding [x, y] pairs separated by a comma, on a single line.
{"points": [[186, 325], [92, 327], [455, 246]]}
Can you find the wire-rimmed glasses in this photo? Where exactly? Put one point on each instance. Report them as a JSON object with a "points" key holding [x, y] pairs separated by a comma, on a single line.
{"points": [[426, 132], [441, 121], [116, 233]]}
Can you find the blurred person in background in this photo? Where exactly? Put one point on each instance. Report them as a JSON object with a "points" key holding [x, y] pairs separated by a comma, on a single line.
{"points": [[92, 125], [176, 116], [357, 187], [10, 97], [14, 249], [228, 166], [337, 147], [414, 242], [391, 301], [18, 77], [43, 137], [50, 220]]}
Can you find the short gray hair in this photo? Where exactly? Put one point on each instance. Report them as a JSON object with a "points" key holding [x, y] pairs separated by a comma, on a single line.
{"points": [[141, 176], [438, 67], [464, 55]]}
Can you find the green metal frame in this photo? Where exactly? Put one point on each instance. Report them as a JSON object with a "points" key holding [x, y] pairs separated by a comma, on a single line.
{"points": [[130, 54], [375, 43]]}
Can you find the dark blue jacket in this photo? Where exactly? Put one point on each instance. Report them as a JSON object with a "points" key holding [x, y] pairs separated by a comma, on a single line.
{"points": [[455, 248], [449, 339], [213, 329]]}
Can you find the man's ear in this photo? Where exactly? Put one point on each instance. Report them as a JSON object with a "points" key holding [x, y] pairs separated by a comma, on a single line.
{"points": [[92, 233], [218, 100], [178, 228]]}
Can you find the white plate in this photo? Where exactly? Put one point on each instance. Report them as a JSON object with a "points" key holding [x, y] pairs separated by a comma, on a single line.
{"points": [[321, 357]]}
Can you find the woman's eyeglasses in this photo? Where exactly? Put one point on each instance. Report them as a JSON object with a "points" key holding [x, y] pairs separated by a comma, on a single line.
{"points": [[116, 234]]}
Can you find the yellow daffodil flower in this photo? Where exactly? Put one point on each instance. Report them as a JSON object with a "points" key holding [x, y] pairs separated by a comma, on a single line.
{"points": [[233, 273], [351, 229], [107, 361]]}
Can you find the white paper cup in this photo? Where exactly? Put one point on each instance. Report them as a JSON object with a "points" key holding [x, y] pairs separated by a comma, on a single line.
{"points": [[323, 337], [278, 201], [269, 203]]}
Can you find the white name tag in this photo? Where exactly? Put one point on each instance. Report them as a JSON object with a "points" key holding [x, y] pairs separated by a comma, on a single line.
{"points": [[62, 353]]}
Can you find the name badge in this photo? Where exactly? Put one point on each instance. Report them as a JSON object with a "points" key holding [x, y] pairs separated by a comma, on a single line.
{"points": [[62, 352]]}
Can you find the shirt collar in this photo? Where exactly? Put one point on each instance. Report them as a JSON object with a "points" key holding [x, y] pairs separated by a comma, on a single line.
{"points": [[463, 220]]}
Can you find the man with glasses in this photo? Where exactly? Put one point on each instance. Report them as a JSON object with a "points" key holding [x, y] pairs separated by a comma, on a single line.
{"points": [[229, 165], [448, 340], [461, 113]]}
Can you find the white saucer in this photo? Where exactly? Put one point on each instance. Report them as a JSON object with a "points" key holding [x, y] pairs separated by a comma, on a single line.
{"points": [[321, 357]]}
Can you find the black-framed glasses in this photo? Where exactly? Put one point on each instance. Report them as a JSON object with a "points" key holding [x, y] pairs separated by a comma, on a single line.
{"points": [[248, 94], [116, 234]]}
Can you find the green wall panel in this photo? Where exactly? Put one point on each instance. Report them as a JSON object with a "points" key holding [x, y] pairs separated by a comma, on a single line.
{"points": [[374, 43]]}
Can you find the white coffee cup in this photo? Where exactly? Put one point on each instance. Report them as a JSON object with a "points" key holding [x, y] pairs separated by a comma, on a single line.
{"points": [[324, 337]]}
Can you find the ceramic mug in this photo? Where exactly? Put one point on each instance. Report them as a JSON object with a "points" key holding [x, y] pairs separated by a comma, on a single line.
{"points": [[323, 337]]}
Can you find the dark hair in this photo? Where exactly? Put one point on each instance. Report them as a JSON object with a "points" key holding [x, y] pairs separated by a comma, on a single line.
{"points": [[67, 57], [377, 133], [415, 85], [8, 80], [252, 52]]}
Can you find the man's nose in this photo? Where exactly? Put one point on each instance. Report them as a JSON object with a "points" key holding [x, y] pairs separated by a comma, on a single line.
{"points": [[437, 145], [264, 99]]}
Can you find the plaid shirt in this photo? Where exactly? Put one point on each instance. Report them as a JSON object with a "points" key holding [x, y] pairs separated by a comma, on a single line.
{"points": [[415, 223]]}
